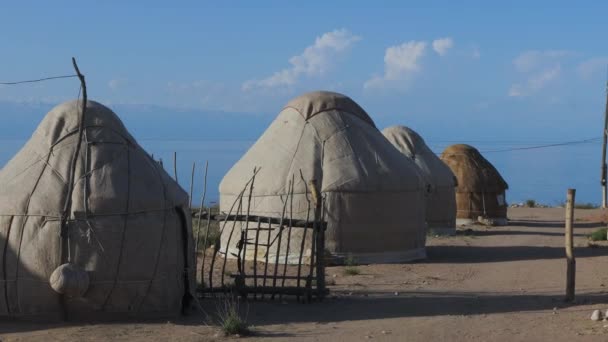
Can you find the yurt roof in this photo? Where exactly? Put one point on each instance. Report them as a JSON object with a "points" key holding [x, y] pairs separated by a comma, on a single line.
{"points": [[412, 145], [330, 138], [64, 120], [474, 172], [316, 102]]}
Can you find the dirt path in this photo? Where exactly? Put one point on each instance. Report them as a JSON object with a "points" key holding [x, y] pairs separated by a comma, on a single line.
{"points": [[496, 284]]}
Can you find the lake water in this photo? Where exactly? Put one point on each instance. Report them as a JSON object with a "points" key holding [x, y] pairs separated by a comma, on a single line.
{"points": [[541, 174]]}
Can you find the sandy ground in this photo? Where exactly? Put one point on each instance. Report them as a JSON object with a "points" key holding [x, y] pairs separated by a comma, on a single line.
{"points": [[491, 284]]}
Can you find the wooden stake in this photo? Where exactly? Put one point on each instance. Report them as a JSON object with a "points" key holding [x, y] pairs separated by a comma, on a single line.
{"points": [[67, 208], [278, 237], [604, 166], [303, 243], [255, 257], [570, 260], [192, 183], [319, 237], [246, 232], [198, 228], [293, 179], [200, 210], [175, 167]]}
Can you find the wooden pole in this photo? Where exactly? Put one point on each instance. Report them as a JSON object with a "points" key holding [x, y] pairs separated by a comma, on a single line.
{"points": [[570, 260], [175, 166], [198, 228], [192, 182], [604, 166], [65, 256], [319, 237]]}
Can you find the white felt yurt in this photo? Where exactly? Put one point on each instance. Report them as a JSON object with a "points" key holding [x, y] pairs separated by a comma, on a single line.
{"points": [[441, 182], [90, 225], [373, 198]]}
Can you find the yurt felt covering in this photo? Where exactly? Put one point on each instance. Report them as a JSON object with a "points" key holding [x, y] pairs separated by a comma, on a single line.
{"points": [[481, 188], [441, 198], [373, 198], [126, 225]]}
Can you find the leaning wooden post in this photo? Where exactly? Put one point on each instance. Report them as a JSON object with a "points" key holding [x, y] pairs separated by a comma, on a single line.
{"points": [[192, 183], [175, 166], [320, 238], [570, 261], [604, 166]]}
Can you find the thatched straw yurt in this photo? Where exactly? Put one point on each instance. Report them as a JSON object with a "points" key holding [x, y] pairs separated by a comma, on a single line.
{"points": [[441, 183], [91, 227], [481, 188], [373, 198]]}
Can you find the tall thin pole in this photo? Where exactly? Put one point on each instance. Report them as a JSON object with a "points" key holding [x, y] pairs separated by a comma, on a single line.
{"points": [[570, 261], [604, 166], [65, 256], [175, 166], [192, 183]]}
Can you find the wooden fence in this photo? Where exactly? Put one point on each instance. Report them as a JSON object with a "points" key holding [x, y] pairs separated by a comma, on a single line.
{"points": [[263, 257]]}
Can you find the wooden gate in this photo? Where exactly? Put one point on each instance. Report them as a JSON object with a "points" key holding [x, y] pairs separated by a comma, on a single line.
{"points": [[264, 257]]}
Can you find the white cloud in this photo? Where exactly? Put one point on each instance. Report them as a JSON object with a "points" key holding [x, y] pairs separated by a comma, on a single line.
{"points": [[536, 82], [401, 62], [476, 54], [117, 83], [532, 59], [315, 60], [442, 45], [539, 68], [590, 67]]}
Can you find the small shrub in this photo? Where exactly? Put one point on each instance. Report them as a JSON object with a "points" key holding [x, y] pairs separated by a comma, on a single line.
{"points": [[531, 203], [230, 319], [352, 270], [598, 235], [350, 261]]}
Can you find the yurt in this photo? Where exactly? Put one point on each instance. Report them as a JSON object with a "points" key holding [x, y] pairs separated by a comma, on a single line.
{"points": [[91, 227], [441, 183], [481, 188], [373, 198]]}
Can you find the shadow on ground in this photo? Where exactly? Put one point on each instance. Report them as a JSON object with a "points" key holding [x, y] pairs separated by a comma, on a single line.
{"points": [[366, 305], [369, 306], [475, 254], [492, 232], [553, 224]]}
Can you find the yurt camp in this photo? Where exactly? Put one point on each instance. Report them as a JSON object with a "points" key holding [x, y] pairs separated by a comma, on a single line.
{"points": [[441, 183], [90, 225], [373, 198], [481, 188]]}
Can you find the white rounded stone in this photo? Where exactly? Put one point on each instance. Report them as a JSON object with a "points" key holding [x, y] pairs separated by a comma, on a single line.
{"points": [[70, 280]]}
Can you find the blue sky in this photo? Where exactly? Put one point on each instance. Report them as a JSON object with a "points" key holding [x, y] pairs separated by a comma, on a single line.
{"points": [[510, 73], [200, 56]]}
